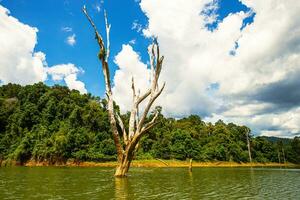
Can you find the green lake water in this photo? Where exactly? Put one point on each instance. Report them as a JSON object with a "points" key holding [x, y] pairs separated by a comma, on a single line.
{"points": [[149, 183]]}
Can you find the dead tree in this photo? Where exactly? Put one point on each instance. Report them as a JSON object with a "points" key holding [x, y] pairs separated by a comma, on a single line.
{"points": [[248, 144], [283, 154], [138, 126], [280, 146], [191, 165]]}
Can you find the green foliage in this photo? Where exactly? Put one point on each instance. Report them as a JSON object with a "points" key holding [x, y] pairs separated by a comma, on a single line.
{"points": [[54, 124]]}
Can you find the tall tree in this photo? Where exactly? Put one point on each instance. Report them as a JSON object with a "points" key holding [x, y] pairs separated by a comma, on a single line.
{"points": [[137, 125]]}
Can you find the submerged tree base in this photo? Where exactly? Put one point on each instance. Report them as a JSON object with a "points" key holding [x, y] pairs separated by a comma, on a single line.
{"points": [[121, 171]]}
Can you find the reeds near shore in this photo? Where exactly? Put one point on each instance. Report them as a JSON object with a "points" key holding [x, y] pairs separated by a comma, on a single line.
{"points": [[165, 163]]}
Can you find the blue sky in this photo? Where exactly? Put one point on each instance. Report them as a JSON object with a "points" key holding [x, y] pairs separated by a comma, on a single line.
{"points": [[235, 60]]}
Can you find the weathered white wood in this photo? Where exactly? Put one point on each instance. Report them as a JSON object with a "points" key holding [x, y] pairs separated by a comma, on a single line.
{"points": [[283, 155], [132, 118], [107, 27], [137, 125], [191, 164], [248, 145], [121, 124]]}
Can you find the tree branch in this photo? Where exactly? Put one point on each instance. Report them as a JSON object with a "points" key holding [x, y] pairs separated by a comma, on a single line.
{"points": [[107, 27], [98, 36], [121, 124], [133, 89], [151, 123], [151, 57], [144, 96], [132, 118], [151, 101]]}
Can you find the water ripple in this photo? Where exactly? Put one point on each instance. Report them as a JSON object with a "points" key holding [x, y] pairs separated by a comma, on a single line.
{"points": [[149, 183]]}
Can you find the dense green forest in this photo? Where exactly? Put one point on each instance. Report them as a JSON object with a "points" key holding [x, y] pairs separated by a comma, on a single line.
{"points": [[55, 124]]}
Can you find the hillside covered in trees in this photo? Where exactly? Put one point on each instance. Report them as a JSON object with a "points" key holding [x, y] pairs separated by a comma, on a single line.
{"points": [[55, 124]]}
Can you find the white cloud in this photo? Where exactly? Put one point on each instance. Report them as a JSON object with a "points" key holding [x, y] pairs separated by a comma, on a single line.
{"points": [[17, 58], [210, 12], [130, 65], [58, 72], [68, 73], [67, 29], [136, 26], [98, 8], [73, 83], [132, 42], [268, 49], [19, 63], [71, 40], [98, 5], [285, 124]]}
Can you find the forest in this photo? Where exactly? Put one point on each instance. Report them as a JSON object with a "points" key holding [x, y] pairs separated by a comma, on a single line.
{"points": [[55, 124]]}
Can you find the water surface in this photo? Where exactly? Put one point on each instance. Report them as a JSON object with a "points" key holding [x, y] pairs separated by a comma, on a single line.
{"points": [[149, 183]]}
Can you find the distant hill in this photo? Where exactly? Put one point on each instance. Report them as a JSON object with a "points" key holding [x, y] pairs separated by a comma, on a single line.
{"points": [[275, 139]]}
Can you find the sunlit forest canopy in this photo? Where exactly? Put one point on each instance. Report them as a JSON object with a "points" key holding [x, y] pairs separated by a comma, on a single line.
{"points": [[56, 124]]}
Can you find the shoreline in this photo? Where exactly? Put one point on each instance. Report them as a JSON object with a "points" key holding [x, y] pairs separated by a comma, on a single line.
{"points": [[160, 164]]}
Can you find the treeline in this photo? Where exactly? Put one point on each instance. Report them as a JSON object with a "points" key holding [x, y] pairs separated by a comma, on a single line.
{"points": [[55, 124]]}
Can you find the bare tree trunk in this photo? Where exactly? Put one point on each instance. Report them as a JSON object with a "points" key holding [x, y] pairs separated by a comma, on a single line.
{"points": [[124, 164], [137, 125], [191, 164], [248, 145], [283, 154], [279, 161], [122, 169]]}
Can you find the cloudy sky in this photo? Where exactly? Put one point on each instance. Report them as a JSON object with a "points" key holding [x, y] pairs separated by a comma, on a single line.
{"points": [[235, 60]]}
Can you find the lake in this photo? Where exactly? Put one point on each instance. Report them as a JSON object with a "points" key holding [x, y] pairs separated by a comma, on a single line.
{"points": [[149, 183]]}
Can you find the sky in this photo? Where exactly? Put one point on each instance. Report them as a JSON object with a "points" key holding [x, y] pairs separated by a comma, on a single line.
{"points": [[234, 60]]}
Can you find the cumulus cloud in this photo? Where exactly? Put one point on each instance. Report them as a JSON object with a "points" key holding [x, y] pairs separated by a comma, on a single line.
{"points": [[19, 63], [210, 12], [59, 72], [252, 82], [68, 73], [16, 52], [71, 40], [130, 65], [284, 93], [74, 84]]}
